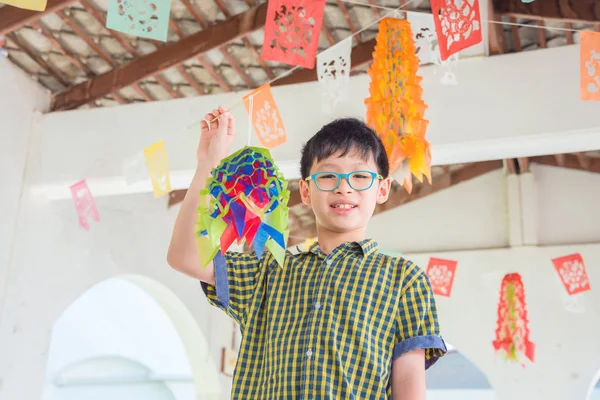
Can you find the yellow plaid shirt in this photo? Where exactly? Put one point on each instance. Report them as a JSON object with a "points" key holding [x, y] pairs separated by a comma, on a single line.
{"points": [[324, 326]]}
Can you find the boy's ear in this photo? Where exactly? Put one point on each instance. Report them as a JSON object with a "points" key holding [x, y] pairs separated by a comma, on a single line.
{"points": [[304, 191], [383, 192]]}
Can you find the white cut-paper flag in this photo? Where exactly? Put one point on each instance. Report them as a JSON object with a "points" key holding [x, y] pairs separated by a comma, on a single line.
{"points": [[134, 169], [428, 49], [333, 71]]}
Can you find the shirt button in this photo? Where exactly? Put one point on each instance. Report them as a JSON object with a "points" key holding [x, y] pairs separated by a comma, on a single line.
{"points": [[328, 262], [309, 354], [317, 305]]}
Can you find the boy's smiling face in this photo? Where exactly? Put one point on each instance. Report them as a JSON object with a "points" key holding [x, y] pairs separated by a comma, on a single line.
{"points": [[344, 210]]}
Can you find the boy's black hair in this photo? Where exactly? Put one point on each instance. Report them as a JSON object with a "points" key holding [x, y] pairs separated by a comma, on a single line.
{"points": [[343, 136]]}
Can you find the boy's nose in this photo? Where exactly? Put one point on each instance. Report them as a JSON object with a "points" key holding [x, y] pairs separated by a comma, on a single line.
{"points": [[344, 186]]}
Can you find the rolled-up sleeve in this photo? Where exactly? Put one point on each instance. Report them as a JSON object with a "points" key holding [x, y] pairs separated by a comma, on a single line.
{"points": [[236, 277], [417, 323]]}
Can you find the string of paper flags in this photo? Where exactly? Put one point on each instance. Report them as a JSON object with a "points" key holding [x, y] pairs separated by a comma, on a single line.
{"points": [[512, 326], [291, 36]]}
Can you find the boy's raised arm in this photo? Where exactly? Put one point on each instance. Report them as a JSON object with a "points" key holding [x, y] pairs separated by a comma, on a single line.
{"points": [[215, 141]]}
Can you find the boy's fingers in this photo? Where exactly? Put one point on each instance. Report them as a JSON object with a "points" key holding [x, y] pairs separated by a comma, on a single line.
{"points": [[215, 119]]}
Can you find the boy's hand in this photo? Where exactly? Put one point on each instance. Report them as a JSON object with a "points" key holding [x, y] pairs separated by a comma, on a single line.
{"points": [[216, 137]]}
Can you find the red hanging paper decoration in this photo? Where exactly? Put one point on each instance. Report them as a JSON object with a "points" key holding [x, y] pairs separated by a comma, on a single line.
{"points": [[512, 333], [292, 31], [457, 23], [573, 275], [441, 275], [395, 109]]}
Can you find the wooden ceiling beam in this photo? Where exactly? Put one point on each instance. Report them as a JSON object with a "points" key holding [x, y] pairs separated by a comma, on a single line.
{"points": [[164, 58], [361, 55], [441, 182], [225, 10], [579, 162], [13, 18], [569, 11]]}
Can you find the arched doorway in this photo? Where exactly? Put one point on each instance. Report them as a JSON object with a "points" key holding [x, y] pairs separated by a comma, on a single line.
{"points": [[455, 377], [129, 337]]}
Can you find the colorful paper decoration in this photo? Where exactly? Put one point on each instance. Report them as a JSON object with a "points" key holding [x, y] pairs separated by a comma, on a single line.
{"points": [[144, 18], [589, 53], [512, 332], [292, 30], [265, 117], [333, 72], [457, 23], [428, 49], [158, 168], [84, 204], [395, 109], [572, 273], [441, 275], [34, 5], [248, 203]]}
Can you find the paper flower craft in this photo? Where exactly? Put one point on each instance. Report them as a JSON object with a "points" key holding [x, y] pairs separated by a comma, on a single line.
{"points": [[248, 203]]}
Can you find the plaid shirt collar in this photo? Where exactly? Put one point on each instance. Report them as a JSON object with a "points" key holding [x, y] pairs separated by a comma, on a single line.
{"points": [[364, 247]]}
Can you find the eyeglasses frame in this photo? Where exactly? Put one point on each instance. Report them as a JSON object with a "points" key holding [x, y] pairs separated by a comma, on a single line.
{"points": [[340, 176]]}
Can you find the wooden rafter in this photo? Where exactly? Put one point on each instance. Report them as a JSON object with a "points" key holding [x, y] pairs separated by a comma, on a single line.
{"points": [[361, 55], [65, 16], [401, 197], [348, 19], [223, 7], [101, 18], [43, 30], [579, 162], [41, 60], [13, 18], [569, 11], [166, 57]]}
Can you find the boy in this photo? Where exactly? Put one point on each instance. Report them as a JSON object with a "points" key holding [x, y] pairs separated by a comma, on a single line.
{"points": [[339, 321]]}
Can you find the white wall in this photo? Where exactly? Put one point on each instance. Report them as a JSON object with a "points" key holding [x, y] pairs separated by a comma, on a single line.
{"points": [[471, 215], [19, 98], [567, 350], [110, 326], [55, 261]]}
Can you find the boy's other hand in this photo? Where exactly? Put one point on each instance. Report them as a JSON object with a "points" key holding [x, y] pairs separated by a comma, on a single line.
{"points": [[216, 137]]}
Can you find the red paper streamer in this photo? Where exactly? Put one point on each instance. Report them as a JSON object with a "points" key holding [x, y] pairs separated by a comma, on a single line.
{"points": [[441, 275], [572, 272], [512, 333], [292, 30], [457, 27]]}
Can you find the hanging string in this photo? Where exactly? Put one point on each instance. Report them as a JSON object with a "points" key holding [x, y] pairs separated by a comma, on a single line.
{"points": [[483, 20], [250, 115], [290, 71]]}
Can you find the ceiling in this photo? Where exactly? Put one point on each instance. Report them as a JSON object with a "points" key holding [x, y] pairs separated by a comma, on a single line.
{"points": [[68, 50], [69, 45]]}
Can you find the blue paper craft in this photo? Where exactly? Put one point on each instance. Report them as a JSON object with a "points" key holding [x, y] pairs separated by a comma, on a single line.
{"points": [[143, 18]]}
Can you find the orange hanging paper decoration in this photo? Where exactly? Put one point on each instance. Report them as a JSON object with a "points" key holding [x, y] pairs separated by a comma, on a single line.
{"points": [[395, 109], [589, 49], [512, 332], [265, 117]]}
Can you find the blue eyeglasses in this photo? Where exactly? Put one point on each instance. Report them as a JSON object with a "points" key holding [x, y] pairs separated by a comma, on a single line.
{"points": [[358, 180]]}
